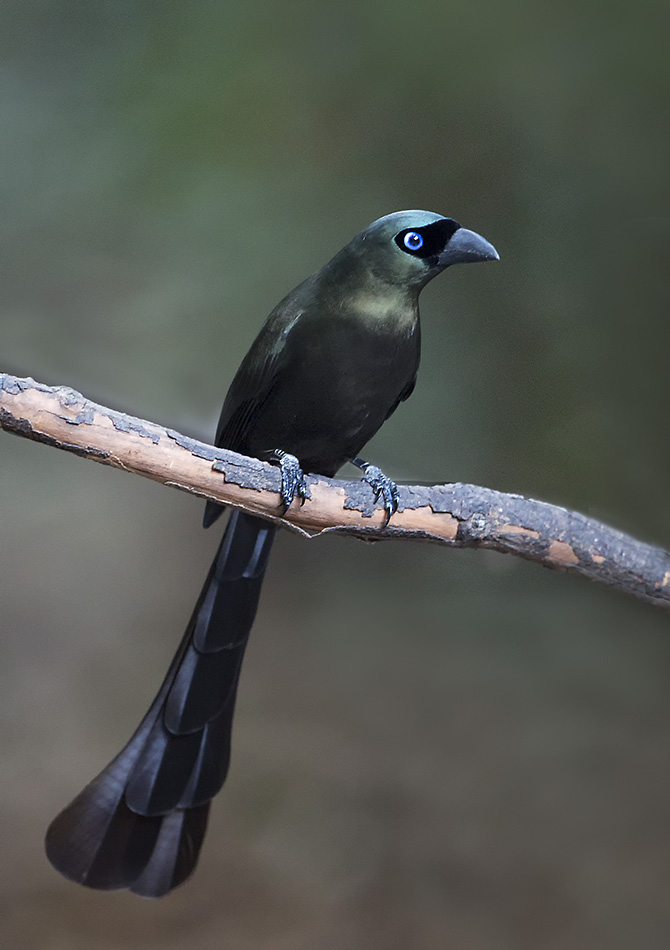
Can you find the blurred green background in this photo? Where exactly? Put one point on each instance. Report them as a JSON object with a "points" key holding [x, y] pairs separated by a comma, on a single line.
{"points": [[432, 749]]}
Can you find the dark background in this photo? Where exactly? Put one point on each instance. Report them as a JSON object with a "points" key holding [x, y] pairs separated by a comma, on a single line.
{"points": [[432, 749]]}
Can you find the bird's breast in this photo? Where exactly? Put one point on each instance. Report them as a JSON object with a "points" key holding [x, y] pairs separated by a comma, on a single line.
{"points": [[338, 383]]}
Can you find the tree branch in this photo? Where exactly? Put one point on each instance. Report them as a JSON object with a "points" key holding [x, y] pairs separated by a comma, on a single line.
{"points": [[455, 515]]}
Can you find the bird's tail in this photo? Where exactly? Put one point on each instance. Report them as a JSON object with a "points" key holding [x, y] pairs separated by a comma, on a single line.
{"points": [[141, 822]]}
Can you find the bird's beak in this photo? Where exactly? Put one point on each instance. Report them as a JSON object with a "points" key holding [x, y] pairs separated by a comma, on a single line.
{"points": [[465, 247]]}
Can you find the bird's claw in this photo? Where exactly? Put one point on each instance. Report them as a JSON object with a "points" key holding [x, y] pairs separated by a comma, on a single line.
{"points": [[292, 479], [384, 488]]}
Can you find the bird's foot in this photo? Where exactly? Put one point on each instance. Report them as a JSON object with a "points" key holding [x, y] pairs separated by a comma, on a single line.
{"points": [[383, 487], [292, 478]]}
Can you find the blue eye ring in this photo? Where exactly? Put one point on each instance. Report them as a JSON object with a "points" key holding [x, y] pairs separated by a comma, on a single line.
{"points": [[413, 241]]}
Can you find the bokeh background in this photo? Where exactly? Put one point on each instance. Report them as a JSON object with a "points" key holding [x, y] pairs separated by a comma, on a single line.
{"points": [[432, 749]]}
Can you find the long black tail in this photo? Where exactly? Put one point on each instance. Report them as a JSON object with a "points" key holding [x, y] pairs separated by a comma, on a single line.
{"points": [[141, 822]]}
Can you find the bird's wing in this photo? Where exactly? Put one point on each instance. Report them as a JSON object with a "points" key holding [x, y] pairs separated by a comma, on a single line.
{"points": [[250, 387], [255, 378], [405, 394]]}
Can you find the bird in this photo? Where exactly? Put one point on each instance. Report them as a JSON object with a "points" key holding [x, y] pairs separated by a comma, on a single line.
{"points": [[332, 362]]}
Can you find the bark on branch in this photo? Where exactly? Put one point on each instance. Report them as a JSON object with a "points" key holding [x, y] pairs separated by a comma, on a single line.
{"points": [[454, 515]]}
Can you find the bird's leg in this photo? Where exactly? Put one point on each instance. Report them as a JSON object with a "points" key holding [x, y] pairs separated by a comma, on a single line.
{"points": [[381, 484], [292, 477]]}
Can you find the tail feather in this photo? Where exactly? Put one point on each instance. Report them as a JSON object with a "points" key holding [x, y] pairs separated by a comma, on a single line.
{"points": [[97, 840], [157, 781], [141, 822], [227, 609], [211, 768], [175, 853], [202, 686]]}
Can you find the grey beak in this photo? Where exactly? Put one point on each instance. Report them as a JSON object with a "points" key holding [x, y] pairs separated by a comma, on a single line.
{"points": [[467, 247]]}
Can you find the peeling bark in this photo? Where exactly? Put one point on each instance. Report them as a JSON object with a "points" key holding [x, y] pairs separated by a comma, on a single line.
{"points": [[454, 515]]}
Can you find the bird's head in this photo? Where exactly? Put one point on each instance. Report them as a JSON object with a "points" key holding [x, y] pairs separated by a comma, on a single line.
{"points": [[409, 248]]}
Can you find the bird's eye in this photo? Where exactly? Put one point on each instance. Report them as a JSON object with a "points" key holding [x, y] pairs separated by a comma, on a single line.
{"points": [[413, 241]]}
